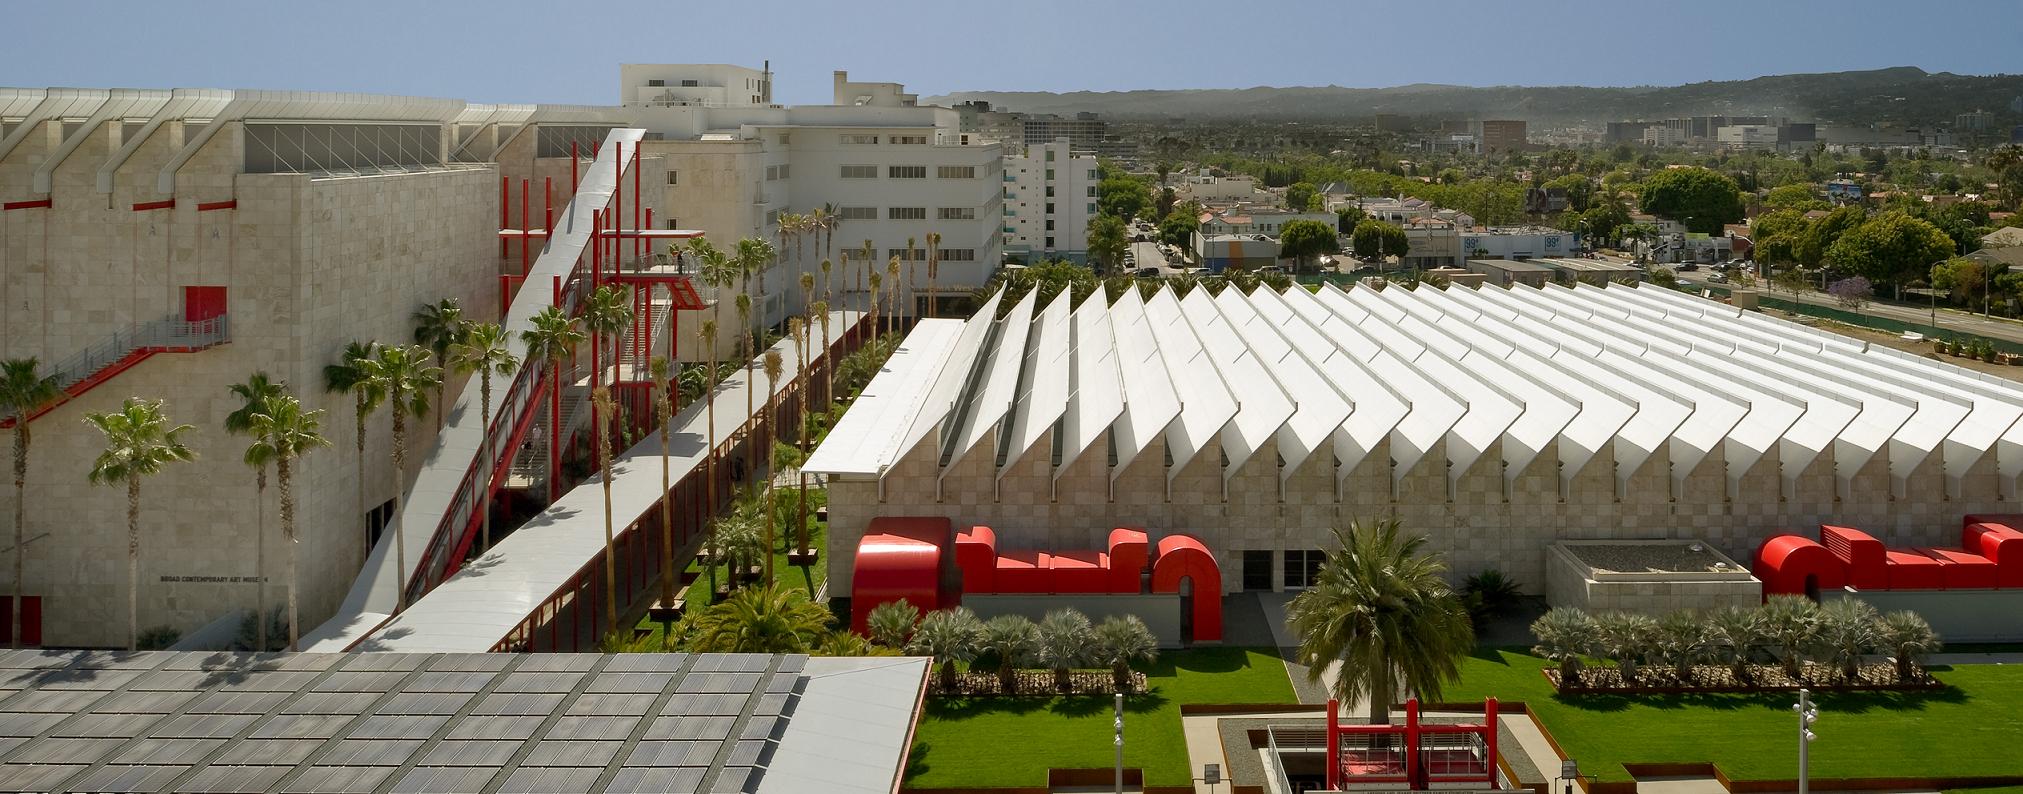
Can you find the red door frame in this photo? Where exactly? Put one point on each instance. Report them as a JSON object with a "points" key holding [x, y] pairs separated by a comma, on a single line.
{"points": [[203, 303]]}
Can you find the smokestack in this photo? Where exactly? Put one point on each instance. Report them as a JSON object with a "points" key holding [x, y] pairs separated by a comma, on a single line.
{"points": [[766, 82]]}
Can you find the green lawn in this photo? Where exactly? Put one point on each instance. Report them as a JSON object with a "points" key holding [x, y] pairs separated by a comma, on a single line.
{"points": [[808, 580], [965, 742], [1971, 729]]}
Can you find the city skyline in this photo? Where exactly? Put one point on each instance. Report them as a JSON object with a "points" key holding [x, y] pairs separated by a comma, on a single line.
{"points": [[485, 55]]}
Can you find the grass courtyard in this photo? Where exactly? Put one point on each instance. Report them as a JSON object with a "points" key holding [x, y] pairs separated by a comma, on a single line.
{"points": [[1971, 729], [989, 741]]}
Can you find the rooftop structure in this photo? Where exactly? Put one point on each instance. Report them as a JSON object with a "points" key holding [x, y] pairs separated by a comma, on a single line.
{"points": [[1613, 412], [160, 721]]}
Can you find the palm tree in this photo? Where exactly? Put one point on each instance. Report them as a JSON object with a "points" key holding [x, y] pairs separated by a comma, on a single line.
{"points": [[933, 268], [716, 269], [745, 352], [950, 636], [868, 255], [759, 620], [1684, 641], [821, 312], [284, 432], [352, 374], [606, 312], [828, 282], [601, 397], [484, 351], [403, 374], [1065, 636], [799, 330], [664, 401], [1847, 631], [892, 275], [875, 288], [1791, 623], [890, 624], [440, 326], [139, 443], [774, 366], [1385, 612], [1119, 641], [754, 256], [1735, 633], [552, 340], [709, 407], [912, 298], [1625, 638], [23, 391], [1014, 639], [1565, 636], [255, 393], [1907, 638]]}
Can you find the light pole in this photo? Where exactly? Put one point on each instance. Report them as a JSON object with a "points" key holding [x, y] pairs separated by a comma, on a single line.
{"points": [[1118, 723], [1806, 716]]}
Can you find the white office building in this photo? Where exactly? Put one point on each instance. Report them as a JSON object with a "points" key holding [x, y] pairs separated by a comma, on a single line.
{"points": [[712, 85], [1049, 198]]}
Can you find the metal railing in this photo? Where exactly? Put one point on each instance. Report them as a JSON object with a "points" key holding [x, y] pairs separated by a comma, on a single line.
{"points": [[165, 334]]}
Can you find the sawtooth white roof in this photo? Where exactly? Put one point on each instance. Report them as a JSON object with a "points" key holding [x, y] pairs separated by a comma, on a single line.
{"points": [[1559, 372]]}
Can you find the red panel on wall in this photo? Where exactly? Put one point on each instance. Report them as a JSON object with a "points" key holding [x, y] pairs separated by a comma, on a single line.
{"points": [[1961, 570], [2002, 544], [1912, 570], [1785, 564], [1183, 557], [31, 620], [1862, 553], [203, 303]]}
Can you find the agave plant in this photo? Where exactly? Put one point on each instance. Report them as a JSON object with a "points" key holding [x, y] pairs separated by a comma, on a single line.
{"points": [[950, 636], [1119, 641], [1566, 636], [1683, 641], [1734, 634], [1791, 623]]}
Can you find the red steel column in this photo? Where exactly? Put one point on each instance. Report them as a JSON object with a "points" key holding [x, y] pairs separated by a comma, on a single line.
{"points": [[1334, 749], [505, 200], [555, 418], [548, 205], [573, 159], [525, 226]]}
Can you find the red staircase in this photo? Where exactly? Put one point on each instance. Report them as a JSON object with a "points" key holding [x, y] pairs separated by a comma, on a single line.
{"points": [[118, 353]]}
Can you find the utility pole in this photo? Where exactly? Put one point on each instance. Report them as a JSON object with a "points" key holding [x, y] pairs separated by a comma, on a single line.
{"points": [[1806, 716]]}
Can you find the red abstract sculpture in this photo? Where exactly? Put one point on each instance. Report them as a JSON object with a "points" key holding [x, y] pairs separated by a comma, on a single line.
{"points": [[899, 559], [1793, 565], [1183, 557]]}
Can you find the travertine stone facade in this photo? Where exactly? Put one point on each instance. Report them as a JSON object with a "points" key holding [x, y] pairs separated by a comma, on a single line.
{"points": [[309, 265]]}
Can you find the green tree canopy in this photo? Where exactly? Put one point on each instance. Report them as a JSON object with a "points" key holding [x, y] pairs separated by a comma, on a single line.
{"points": [[1701, 199], [1892, 247], [1797, 196], [1579, 191], [1122, 197], [1810, 247], [1346, 219], [1300, 196], [1302, 240], [1178, 229], [1374, 238]]}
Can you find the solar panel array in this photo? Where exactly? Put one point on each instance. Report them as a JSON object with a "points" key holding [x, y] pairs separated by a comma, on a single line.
{"points": [[374, 723]]}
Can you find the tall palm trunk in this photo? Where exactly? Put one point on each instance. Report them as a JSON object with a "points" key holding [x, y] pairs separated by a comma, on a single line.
{"points": [[484, 461], [359, 411], [282, 477], [555, 377], [399, 537], [14, 625], [801, 528], [133, 563], [260, 560]]}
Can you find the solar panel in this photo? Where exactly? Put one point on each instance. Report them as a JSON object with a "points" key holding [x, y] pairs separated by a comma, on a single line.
{"points": [[166, 751], [559, 663], [672, 753], [36, 777], [783, 682], [7, 744], [547, 780], [646, 663], [403, 662], [611, 705], [52, 702], [425, 703], [592, 728], [205, 726], [122, 778], [234, 780], [444, 780], [339, 779], [472, 662], [734, 663], [370, 752], [518, 704], [299, 726], [96, 680], [772, 704], [714, 729], [171, 680], [719, 682], [27, 724], [238, 702], [629, 682], [387, 726], [759, 727], [490, 727], [656, 780], [734, 780], [492, 754], [66, 751], [570, 753], [451, 681], [269, 751], [539, 682], [747, 754], [350, 681], [280, 681], [331, 703], [143, 702]]}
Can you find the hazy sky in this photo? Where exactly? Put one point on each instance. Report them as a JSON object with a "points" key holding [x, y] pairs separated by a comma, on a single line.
{"points": [[568, 51]]}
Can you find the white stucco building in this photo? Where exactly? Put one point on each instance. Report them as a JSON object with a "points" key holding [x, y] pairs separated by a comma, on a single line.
{"points": [[1049, 198]]}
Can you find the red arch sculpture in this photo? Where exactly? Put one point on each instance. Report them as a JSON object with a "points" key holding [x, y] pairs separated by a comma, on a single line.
{"points": [[1786, 561], [1183, 557], [899, 558]]}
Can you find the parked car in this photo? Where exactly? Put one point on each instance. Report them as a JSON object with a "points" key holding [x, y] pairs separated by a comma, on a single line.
{"points": [[1718, 278], [1688, 267], [1148, 272]]}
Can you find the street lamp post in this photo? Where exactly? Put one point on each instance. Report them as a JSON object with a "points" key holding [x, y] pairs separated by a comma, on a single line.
{"points": [[1806, 716], [1118, 724]]}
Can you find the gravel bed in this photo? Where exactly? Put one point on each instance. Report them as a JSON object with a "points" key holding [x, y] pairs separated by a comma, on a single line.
{"points": [[1647, 558]]}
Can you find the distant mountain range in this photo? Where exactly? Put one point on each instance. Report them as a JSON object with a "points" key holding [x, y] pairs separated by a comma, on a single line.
{"points": [[1903, 95]]}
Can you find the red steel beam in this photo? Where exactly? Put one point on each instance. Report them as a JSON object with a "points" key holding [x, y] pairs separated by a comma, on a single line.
{"points": [[209, 206], [144, 206], [41, 203]]}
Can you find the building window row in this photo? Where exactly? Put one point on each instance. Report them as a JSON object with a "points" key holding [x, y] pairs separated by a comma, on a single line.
{"points": [[906, 213], [904, 255], [906, 171], [955, 214], [956, 172], [958, 254], [776, 172], [909, 140], [674, 177], [857, 213], [860, 140], [860, 172]]}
